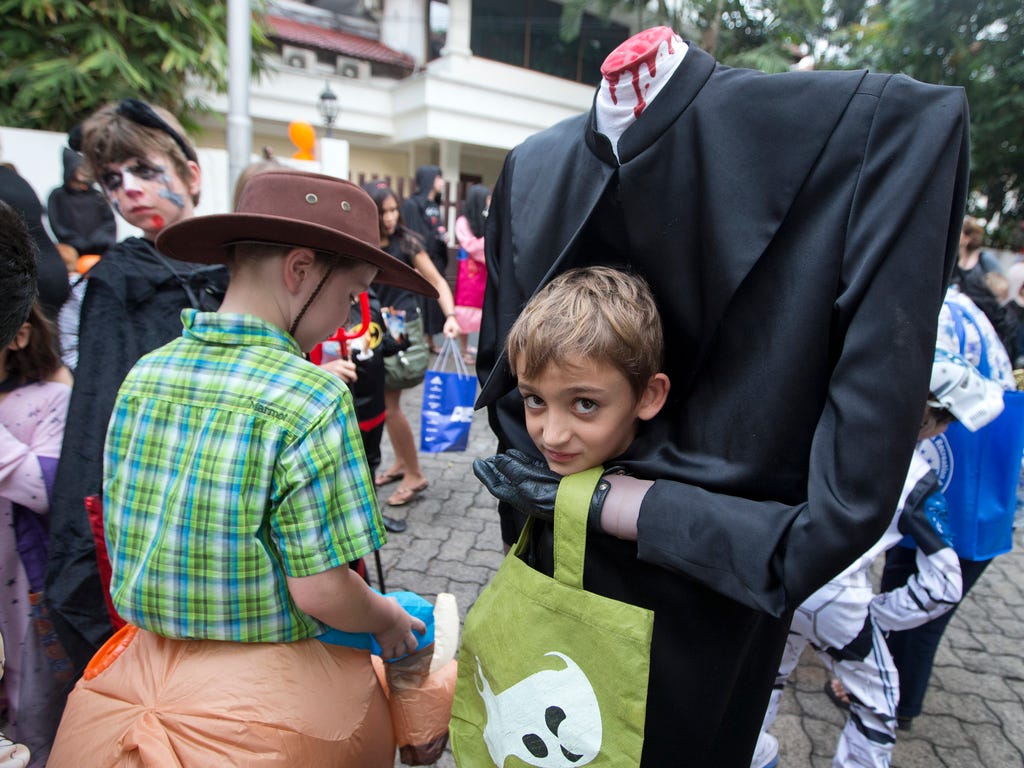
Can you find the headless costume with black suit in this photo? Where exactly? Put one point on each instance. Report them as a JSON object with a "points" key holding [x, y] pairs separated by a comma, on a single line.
{"points": [[798, 231]]}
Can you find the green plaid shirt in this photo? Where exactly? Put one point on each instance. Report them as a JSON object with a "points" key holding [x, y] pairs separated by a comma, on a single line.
{"points": [[231, 461]]}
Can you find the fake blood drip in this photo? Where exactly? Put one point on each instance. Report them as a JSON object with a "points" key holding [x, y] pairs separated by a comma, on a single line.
{"points": [[158, 222], [639, 50]]}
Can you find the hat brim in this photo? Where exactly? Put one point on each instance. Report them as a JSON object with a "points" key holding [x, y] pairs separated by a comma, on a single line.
{"points": [[207, 240]]}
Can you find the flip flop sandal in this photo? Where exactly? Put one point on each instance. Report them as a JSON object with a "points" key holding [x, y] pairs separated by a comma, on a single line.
{"points": [[387, 477], [839, 701], [405, 495]]}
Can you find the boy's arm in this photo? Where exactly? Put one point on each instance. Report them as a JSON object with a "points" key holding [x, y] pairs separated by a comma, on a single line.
{"points": [[340, 598], [937, 585]]}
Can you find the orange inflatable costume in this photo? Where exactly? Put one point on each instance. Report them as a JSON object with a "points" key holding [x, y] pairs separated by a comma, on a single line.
{"points": [[304, 704]]}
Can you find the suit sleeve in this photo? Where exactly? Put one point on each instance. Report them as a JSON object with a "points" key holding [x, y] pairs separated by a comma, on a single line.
{"points": [[900, 245]]}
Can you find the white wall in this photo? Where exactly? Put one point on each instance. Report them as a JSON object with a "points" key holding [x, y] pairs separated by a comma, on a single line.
{"points": [[404, 27], [38, 157]]}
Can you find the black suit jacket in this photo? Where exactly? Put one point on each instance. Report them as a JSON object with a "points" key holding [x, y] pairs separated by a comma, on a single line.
{"points": [[798, 231]]}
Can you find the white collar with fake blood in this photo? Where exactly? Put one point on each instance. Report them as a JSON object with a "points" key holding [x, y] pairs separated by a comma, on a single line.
{"points": [[632, 76]]}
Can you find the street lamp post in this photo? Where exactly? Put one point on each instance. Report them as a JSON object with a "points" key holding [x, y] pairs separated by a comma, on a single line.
{"points": [[327, 105], [239, 127]]}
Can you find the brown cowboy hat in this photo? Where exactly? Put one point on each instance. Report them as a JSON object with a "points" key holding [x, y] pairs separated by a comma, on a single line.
{"points": [[297, 209]]}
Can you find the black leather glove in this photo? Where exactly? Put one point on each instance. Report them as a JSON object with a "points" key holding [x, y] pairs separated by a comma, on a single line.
{"points": [[527, 485]]}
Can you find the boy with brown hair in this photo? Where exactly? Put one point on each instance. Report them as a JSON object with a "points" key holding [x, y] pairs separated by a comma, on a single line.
{"points": [[236, 491], [588, 353]]}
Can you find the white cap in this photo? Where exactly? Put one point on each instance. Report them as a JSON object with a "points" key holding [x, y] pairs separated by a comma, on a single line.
{"points": [[960, 388]]}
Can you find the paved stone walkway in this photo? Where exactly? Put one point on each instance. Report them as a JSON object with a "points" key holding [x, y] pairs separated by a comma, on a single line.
{"points": [[973, 713]]}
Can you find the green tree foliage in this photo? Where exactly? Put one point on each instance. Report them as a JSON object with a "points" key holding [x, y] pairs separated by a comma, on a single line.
{"points": [[977, 44], [62, 59], [769, 35]]}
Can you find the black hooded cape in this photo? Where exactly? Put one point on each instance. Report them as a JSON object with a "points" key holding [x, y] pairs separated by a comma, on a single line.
{"points": [[423, 217], [81, 218]]}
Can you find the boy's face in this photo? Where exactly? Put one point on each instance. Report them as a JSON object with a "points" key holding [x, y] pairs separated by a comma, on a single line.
{"points": [[581, 413], [148, 193], [330, 309]]}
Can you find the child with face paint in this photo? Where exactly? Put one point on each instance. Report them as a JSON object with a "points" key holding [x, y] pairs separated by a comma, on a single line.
{"points": [[150, 173]]}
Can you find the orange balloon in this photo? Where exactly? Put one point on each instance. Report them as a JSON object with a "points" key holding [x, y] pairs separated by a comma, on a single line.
{"points": [[303, 136], [86, 262]]}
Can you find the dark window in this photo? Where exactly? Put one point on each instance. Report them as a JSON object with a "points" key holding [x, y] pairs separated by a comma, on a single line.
{"points": [[525, 34]]}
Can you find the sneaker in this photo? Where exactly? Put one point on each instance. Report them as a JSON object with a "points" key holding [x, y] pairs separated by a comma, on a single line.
{"points": [[904, 723], [766, 755]]}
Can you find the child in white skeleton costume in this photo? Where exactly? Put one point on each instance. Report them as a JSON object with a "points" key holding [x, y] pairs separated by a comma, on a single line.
{"points": [[845, 622]]}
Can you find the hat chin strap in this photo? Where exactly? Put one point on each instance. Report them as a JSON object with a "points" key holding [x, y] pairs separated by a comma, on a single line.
{"points": [[309, 301]]}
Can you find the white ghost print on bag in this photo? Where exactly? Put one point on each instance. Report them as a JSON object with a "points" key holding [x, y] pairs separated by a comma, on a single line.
{"points": [[549, 720]]}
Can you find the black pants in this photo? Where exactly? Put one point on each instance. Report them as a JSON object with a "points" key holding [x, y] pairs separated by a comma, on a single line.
{"points": [[913, 650], [371, 447]]}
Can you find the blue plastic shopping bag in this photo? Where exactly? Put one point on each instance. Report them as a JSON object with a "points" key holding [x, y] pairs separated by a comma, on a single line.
{"points": [[448, 397], [978, 472]]}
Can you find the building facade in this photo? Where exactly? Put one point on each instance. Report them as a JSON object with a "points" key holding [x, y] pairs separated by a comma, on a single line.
{"points": [[412, 87]]}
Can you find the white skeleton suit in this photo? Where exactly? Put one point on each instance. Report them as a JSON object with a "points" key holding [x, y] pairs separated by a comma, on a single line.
{"points": [[845, 622]]}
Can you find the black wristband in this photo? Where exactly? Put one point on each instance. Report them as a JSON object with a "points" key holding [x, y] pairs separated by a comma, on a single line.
{"points": [[596, 503]]}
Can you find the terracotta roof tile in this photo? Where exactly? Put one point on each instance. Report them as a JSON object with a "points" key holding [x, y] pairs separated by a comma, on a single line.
{"points": [[336, 41]]}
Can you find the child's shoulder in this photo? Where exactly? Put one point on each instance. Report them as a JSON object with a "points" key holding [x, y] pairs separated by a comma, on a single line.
{"points": [[51, 393]]}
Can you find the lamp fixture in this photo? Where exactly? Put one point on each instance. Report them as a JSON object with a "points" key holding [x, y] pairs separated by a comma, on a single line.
{"points": [[327, 106]]}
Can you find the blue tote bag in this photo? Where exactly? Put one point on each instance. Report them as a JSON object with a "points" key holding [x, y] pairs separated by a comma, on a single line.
{"points": [[978, 471], [448, 397]]}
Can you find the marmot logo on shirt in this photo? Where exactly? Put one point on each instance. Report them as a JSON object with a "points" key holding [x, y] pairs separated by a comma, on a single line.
{"points": [[261, 407]]}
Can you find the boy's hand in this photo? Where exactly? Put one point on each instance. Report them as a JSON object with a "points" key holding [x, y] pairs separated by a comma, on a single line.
{"points": [[343, 368], [398, 639], [527, 484], [521, 481]]}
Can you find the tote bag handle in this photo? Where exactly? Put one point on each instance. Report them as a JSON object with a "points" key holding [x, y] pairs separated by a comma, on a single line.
{"points": [[572, 503], [448, 355]]}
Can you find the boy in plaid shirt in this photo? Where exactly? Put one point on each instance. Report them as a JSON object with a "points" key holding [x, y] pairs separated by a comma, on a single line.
{"points": [[236, 491]]}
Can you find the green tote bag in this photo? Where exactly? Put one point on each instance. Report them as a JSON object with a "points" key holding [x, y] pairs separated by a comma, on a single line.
{"points": [[551, 675]]}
